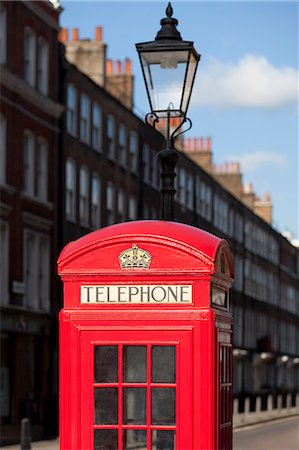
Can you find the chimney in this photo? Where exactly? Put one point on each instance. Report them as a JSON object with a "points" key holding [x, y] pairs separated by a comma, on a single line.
{"points": [[63, 35], [188, 144], [75, 34], [118, 67], [128, 66], [230, 178], [263, 207], [195, 147], [109, 67], [99, 34]]}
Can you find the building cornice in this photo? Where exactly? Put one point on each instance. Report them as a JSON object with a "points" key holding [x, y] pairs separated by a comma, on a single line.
{"points": [[41, 14], [36, 221], [20, 87]]}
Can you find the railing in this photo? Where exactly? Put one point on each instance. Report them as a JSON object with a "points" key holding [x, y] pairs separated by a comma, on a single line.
{"points": [[253, 412]]}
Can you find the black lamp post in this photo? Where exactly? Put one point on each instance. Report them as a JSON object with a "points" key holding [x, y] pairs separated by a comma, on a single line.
{"points": [[169, 66]]}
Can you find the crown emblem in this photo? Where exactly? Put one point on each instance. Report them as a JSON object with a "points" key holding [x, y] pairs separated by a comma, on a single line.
{"points": [[134, 258]]}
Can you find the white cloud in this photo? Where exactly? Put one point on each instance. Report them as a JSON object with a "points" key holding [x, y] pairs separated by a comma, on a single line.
{"points": [[250, 162], [251, 82]]}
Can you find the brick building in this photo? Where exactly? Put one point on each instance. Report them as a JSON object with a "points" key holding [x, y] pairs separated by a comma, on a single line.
{"points": [[30, 115]]}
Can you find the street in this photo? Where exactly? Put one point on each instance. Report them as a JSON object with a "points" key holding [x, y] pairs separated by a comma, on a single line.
{"points": [[276, 435]]}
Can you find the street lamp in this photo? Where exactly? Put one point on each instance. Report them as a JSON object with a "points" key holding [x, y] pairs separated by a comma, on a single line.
{"points": [[169, 66]]}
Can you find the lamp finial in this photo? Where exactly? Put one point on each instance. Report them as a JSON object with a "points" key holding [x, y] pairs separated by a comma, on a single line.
{"points": [[169, 10]]}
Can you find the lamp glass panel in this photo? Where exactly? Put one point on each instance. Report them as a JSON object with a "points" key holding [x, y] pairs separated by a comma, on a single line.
{"points": [[164, 75], [191, 68]]}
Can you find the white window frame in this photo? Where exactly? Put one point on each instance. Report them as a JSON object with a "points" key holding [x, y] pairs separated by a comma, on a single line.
{"points": [[43, 66], [133, 208], [84, 196], [111, 137], [3, 149], [189, 191], [29, 162], [85, 118], [42, 170], [95, 218], [72, 109], [70, 190], [3, 34], [30, 56], [96, 127], [37, 296], [121, 205]]}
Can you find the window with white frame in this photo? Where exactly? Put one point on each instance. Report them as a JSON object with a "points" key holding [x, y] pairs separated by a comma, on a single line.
{"points": [[133, 207], [4, 262], [145, 162], [111, 137], [29, 56], [3, 150], [37, 270], [110, 208], [182, 187], [42, 66], [121, 205], [95, 201], [84, 119], [70, 190], [122, 147], [3, 32], [84, 196], [71, 112], [96, 127], [42, 170], [133, 155], [29, 163]]}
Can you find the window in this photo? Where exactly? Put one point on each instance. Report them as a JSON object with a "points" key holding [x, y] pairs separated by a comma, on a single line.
{"points": [[189, 192], [84, 119], [84, 196], [4, 262], [71, 113], [29, 56], [146, 163], [133, 159], [42, 170], [122, 148], [2, 149], [111, 137], [182, 187], [110, 203], [133, 207], [154, 169], [42, 66], [70, 192], [96, 136], [95, 202], [29, 168], [37, 270], [3, 30], [121, 205]]}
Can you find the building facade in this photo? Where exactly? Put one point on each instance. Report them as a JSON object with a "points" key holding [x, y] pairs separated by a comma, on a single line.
{"points": [[30, 115]]}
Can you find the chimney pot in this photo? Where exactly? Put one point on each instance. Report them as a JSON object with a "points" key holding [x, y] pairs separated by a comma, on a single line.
{"points": [[118, 67], [201, 147], [208, 144], [226, 167], [128, 66], [188, 146], [194, 144], [99, 34], [75, 34], [109, 67], [63, 35]]}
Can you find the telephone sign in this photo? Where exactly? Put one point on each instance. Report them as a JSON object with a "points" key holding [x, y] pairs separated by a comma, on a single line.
{"points": [[146, 339]]}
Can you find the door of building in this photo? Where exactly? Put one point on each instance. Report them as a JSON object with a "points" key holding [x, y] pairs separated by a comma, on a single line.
{"points": [[138, 386]]}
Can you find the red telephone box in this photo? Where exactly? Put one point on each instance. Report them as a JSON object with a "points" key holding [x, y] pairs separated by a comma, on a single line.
{"points": [[146, 339]]}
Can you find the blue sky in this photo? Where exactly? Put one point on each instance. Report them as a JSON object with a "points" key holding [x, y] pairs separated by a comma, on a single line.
{"points": [[246, 91]]}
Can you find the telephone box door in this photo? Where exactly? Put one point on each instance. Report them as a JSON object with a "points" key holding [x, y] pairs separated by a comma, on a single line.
{"points": [[136, 389]]}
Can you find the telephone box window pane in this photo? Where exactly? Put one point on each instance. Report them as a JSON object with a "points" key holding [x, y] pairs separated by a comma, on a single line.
{"points": [[134, 439], [105, 364], [105, 406], [163, 440], [163, 406], [163, 364], [105, 440], [134, 406], [134, 364]]}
